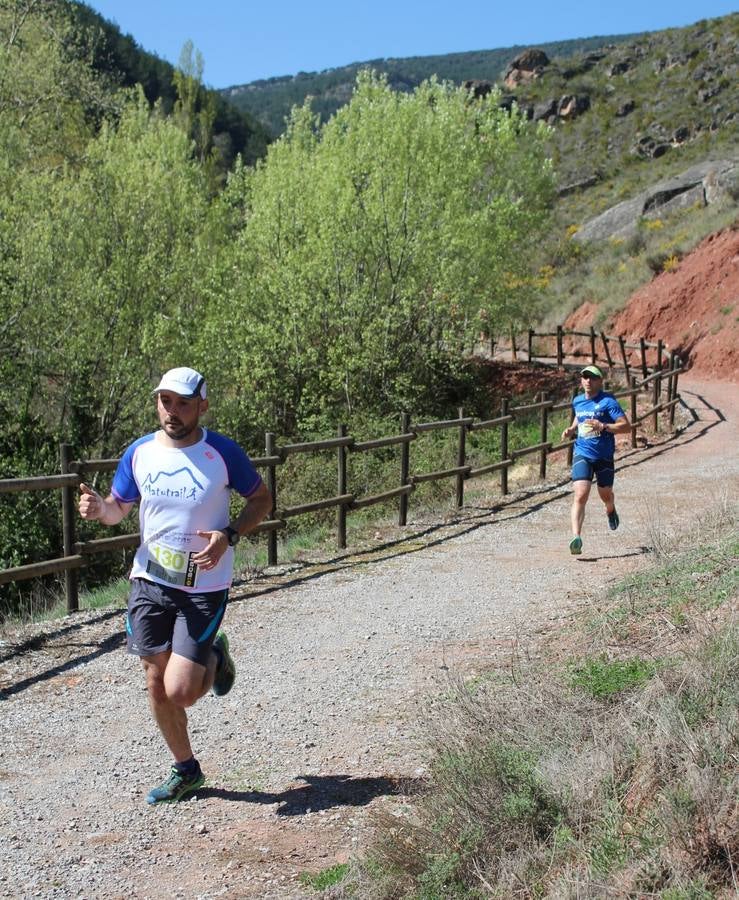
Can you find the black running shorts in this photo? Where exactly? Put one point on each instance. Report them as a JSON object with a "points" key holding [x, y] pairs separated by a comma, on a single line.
{"points": [[162, 618]]}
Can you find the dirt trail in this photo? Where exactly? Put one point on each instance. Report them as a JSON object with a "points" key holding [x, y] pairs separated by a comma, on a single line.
{"points": [[323, 721]]}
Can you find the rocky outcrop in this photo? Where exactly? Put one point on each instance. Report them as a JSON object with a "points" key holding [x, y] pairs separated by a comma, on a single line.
{"points": [[546, 110], [567, 107], [585, 65], [650, 147], [572, 105], [478, 88], [620, 67], [525, 67], [577, 186], [703, 184]]}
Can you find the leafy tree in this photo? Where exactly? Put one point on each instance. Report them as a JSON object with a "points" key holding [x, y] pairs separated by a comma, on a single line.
{"points": [[50, 101], [195, 108], [118, 58], [109, 257], [98, 294], [371, 246]]}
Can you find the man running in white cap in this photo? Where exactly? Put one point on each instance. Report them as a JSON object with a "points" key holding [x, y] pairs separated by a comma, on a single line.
{"points": [[182, 476], [597, 418]]}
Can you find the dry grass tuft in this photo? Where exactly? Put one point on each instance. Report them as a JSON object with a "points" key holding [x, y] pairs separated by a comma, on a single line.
{"points": [[613, 774]]}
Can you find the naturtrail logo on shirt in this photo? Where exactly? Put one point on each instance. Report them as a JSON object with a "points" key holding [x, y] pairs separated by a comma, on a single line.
{"points": [[181, 483]]}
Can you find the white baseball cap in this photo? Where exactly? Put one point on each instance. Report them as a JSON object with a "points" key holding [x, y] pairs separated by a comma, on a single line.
{"points": [[183, 381]]}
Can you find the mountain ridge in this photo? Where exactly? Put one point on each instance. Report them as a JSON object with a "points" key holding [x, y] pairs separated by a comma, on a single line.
{"points": [[269, 99]]}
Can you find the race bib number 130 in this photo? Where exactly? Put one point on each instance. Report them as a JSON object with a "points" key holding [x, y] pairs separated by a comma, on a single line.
{"points": [[171, 565]]}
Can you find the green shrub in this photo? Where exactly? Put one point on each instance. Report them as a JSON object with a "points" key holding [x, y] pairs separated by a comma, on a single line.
{"points": [[602, 678], [326, 878]]}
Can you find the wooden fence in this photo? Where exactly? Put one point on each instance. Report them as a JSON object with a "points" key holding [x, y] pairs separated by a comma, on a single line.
{"points": [[76, 553], [614, 347]]}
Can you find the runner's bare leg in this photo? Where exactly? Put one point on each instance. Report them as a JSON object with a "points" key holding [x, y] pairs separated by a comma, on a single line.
{"points": [[174, 683], [582, 492]]}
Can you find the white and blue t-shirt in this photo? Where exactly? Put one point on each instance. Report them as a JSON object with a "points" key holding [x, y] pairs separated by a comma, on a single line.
{"points": [[182, 490], [605, 408]]}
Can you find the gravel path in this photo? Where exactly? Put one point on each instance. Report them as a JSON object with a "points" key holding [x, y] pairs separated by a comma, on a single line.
{"points": [[322, 726]]}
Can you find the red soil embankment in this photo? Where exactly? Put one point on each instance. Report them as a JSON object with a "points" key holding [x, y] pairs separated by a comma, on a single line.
{"points": [[694, 309]]}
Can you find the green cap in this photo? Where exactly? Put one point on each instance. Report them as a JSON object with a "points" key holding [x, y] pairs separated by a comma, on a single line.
{"points": [[592, 370]]}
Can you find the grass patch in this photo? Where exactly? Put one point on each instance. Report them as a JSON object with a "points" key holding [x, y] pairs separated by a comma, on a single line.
{"points": [[699, 576], [602, 677], [326, 878], [614, 775]]}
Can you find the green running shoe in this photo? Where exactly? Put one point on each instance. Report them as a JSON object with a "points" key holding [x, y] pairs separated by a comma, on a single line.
{"points": [[576, 546], [176, 787], [226, 669], [613, 520]]}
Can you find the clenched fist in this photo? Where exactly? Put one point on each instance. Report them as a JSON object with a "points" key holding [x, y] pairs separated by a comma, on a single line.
{"points": [[92, 505]]}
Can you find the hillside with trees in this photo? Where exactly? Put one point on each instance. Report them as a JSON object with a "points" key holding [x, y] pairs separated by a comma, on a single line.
{"points": [[271, 99], [117, 57]]}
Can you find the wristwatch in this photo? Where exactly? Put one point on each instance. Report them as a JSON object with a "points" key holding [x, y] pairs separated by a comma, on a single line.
{"points": [[232, 535]]}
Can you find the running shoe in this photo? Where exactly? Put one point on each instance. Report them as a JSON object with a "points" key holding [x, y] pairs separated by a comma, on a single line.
{"points": [[613, 520], [576, 546], [176, 786], [226, 669]]}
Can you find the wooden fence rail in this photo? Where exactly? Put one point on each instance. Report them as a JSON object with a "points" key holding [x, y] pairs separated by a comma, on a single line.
{"points": [[607, 341], [77, 553]]}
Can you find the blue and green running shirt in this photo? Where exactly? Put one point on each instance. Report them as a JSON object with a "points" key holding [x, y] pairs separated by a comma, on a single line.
{"points": [[605, 408]]}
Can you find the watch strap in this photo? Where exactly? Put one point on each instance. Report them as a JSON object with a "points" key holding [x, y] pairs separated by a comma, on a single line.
{"points": [[232, 535]]}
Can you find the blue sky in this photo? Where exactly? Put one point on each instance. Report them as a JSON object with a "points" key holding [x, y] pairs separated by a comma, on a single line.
{"points": [[242, 40]]}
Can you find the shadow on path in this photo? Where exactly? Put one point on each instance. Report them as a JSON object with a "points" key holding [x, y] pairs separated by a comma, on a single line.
{"points": [[109, 644], [319, 792], [640, 551], [38, 641]]}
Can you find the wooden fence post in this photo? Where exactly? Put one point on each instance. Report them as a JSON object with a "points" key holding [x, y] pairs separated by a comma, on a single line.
{"points": [[670, 377], [593, 354], [461, 459], [269, 449], [606, 349], [632, 398], [341, 454], [71, 580], [624, 357], [544, 419], [643, 352], [514, 352], [560, 347], [655, 404], [674, 365], [504, 447], [531, 343], [405, 456], [659, 362]]}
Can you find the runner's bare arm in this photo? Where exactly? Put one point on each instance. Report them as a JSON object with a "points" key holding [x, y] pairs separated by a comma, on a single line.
{"points": [[257, 508], [571, 430], [107, 510]]}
